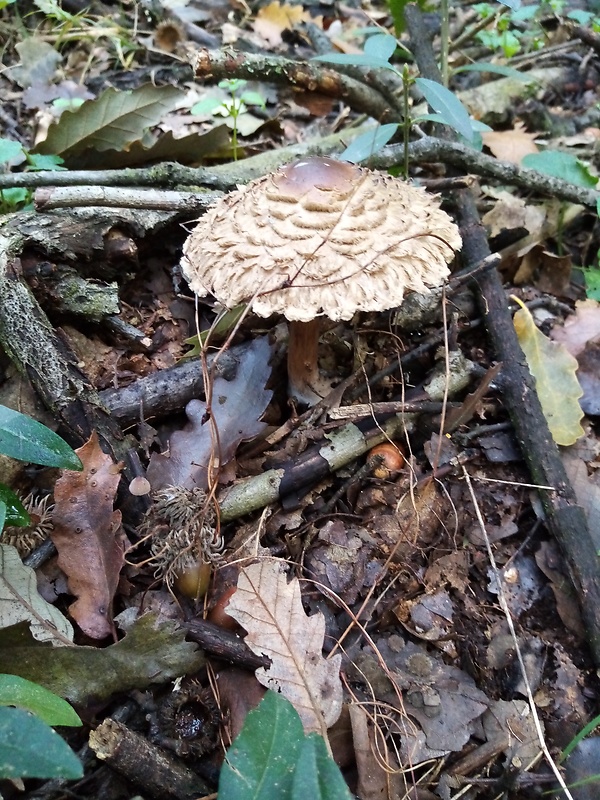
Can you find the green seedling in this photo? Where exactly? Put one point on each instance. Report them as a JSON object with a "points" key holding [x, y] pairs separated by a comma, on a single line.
{"points": [[233, 108]]}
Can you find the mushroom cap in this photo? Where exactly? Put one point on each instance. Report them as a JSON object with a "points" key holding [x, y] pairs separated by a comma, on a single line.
{"points": [[320, 237]]}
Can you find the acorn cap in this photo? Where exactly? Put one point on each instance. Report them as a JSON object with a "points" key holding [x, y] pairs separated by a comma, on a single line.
{"points": [[320, 237]]}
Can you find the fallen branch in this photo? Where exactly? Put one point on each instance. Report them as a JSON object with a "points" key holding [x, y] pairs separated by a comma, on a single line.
{"points": [[565, 519], [227, 176], [305, 76]]}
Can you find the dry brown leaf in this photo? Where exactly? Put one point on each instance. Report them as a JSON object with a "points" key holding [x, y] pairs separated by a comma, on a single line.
{"points": [[580, 328], [277, 17], [88, 536], [512, 145], [270, 609]]}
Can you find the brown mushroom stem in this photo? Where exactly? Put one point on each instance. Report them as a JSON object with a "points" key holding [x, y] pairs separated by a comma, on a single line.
{"points": [[304, 380]]}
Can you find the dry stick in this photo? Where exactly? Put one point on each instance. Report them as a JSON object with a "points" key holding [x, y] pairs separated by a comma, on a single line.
{"points": [[227, 176], [145, 764], [216, 65], [48, 198], [565, 519]]}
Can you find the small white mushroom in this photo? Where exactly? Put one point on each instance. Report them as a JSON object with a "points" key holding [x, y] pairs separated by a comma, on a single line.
{"points": [[319, 237]]}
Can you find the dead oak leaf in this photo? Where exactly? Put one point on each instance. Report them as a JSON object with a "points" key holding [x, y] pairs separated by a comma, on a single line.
{"points": [[88, 536], [277, 17], [511, 145], [270, 609]]}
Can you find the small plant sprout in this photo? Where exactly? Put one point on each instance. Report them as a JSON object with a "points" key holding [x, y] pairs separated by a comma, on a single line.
{"points": [[233, 108]]}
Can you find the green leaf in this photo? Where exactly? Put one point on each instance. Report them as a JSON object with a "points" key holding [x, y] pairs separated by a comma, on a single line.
{"points": [[206, 106], [317, 776], [357, 60], [512, 4], [26, 439], [36, 161], [368, 143], [31, 749], [580, 16], [451, 110], [381, 46], [260, 763], [253, 99], [2, 514], [10, 150], [110, 122], [272, 759], [496, 69], [49, 707], [554, 370], [561, 165], [15, 512], [13, 197], [592, 282]]}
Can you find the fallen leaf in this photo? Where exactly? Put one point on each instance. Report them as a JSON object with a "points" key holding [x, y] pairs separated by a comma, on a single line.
{"points": [[152, 652], [580, 328], [88, 536], [511, 145], [237, 405], [553, 368], [112, 121], [20, 600], [270, 609], [277, 17]]}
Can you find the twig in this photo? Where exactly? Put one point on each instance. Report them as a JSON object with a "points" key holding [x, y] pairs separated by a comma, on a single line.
{"points": [[145, 764], [469, 160], [48, 198], [564, 517], [216, 65], [227, 176]]}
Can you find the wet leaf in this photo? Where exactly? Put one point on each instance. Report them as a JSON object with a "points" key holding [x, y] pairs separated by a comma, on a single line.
{"points": [[236, 408], [20, 600], [88, 536], [152, 652], [270, 609], [553, 368]]}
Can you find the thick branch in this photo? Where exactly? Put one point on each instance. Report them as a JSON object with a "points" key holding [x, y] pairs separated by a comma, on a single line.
{"points": [[217, 65]]}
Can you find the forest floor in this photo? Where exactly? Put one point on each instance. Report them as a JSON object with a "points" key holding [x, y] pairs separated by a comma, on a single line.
{"points": [[412, 560]]}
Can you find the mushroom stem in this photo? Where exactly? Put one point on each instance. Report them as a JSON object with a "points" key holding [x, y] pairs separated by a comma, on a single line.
{"points": [[305, 382]]}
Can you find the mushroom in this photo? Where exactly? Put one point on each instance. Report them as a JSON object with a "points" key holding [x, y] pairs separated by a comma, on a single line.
{"points": [[319, 237]]}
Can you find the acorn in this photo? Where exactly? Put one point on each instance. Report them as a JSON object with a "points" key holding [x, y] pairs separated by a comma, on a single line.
{"points": [[193, 580]]}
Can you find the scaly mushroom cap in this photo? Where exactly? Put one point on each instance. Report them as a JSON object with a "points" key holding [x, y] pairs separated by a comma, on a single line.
{"points": [[320, 237]]}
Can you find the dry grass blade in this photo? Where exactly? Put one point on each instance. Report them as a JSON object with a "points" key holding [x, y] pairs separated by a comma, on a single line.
{"points": [[511, 627]]}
